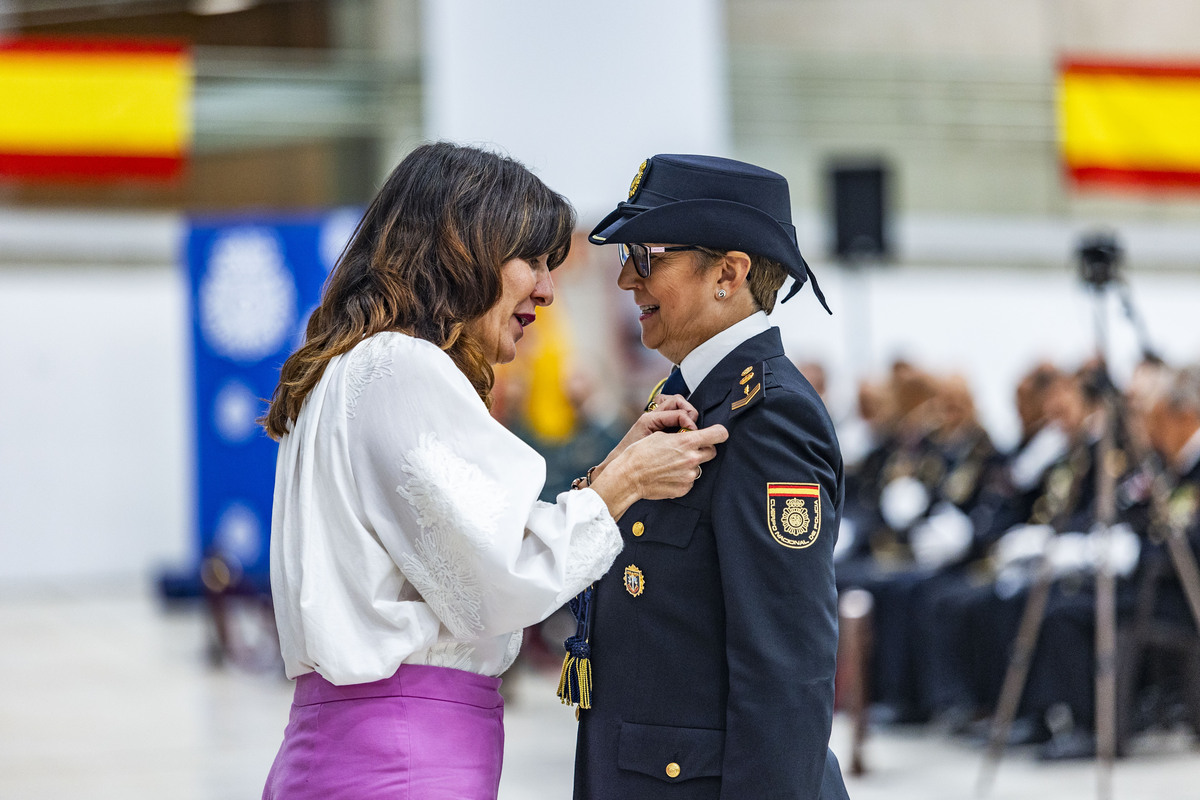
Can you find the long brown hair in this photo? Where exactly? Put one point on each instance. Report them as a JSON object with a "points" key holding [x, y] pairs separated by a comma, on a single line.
{"points": [[426, 260]]}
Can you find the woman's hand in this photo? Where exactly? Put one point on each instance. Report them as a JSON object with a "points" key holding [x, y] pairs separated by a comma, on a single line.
{"points": [[665, 403], [656, 467], [671, 413]]}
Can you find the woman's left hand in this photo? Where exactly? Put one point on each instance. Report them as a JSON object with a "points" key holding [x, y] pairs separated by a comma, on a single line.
{"points": [[671, 413]]}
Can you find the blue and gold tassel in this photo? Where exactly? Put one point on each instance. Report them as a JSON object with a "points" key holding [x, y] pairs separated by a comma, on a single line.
{"points": [[575, 683]]}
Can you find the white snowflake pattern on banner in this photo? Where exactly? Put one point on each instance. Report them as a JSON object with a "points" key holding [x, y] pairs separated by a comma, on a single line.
{"points": [[238, 533], [235, 410], [247, 296], [336, 232]]}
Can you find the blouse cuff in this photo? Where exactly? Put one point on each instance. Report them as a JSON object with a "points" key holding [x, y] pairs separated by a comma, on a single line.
{"points": [[595, 540]]}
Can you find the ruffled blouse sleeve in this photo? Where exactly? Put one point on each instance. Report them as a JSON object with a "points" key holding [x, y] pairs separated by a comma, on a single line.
{"points": [[452, 495]]}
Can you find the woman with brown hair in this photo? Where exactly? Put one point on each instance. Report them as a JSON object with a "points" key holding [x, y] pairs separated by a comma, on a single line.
{"points": [[408, 547]]}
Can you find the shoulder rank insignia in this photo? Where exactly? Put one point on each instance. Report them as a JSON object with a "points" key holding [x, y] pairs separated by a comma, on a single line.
{"points": [[794, 513], [750, 385], [635, 581]]}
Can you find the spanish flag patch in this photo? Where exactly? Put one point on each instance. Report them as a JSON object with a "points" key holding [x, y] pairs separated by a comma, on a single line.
{"points": [[794, 513]]}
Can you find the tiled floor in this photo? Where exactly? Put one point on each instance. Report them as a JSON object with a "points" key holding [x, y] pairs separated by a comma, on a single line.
{"points": [[108, 695]]}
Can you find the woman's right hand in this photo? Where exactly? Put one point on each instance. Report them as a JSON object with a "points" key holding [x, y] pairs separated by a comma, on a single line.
{"points": [[660, 466], [671, 413]]}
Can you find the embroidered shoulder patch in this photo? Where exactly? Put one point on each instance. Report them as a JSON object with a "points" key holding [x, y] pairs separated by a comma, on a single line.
{"points": [[794, 513]]}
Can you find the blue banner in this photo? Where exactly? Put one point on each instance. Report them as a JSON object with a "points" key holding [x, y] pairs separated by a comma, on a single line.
{"points": [[253, 283]]}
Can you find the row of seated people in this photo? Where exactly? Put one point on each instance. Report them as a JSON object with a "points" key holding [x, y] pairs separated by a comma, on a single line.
{"points": [[946, 533]]}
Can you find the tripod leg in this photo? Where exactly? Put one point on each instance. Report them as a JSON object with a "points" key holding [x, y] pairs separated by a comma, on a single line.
{"points": [[1106, 680], [1185, 568], [1014, 677]]}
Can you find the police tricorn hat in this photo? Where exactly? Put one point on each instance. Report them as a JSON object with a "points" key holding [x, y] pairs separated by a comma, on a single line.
{"points": [[711, 202]]}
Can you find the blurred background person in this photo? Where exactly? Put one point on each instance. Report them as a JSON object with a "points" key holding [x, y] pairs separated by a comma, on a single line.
{"points": [[1159, 663]]}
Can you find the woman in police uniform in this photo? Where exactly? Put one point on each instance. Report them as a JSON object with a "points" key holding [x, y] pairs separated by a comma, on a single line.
{"points": [[713, 637]]}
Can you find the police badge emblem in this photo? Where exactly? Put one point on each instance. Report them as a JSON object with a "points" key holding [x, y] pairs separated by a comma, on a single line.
{"points": [[794, 513], [636, 183], [635, 581]]}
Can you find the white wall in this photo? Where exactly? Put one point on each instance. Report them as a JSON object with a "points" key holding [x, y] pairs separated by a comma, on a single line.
{"points": [[582, 93], [94, 439]]}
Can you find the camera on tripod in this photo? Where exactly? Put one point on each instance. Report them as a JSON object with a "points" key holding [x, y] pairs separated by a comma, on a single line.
{"points": [[1099, 259]]}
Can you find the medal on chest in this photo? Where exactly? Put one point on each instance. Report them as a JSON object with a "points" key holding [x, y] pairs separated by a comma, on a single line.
{"points": [[635, 581]]}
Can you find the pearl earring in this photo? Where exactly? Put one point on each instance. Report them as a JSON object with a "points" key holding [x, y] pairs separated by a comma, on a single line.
{"points": [[720, 294]]}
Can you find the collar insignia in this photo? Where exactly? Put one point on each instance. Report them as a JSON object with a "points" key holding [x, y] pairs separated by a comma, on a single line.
{"points": [[748, 392]]}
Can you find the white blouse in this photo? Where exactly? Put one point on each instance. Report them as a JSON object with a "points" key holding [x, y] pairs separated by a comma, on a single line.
{"points": [[406, 526]]}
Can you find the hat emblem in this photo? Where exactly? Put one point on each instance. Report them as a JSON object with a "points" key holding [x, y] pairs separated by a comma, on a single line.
{"points": [[636, 183]]}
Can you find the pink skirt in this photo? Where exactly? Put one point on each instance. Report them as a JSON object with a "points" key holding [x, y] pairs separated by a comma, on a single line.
{"points": [[426, 733]]}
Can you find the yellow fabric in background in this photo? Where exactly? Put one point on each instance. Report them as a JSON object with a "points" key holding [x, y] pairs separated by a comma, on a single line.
{"points": [[1130, 121], [95, 101], [548, 410]]}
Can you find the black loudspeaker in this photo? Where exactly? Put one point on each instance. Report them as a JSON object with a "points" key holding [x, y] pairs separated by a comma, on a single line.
{"points": [[859, 194]]}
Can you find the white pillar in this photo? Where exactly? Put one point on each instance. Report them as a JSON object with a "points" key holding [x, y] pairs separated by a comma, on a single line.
{"points": [[581, 93]]}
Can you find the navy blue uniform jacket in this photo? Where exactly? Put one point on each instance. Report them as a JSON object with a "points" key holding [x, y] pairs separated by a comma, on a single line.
{"points": [[714, 634]]}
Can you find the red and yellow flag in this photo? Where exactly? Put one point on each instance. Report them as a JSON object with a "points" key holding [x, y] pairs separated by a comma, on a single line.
{"points": [[1130, 123], [94, 109]]}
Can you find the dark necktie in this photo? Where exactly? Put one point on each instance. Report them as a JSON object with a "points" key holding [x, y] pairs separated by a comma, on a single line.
{"points": [[675, 384]]}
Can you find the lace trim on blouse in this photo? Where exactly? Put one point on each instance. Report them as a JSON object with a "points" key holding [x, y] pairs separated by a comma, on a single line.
{"points": [[457, 507], [512, 651], [368, 362], [455, 655], [597, 541]]}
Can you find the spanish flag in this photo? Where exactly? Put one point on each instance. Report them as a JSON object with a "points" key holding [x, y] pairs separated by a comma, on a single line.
{"points": [[1130, 123], [94, 109]]}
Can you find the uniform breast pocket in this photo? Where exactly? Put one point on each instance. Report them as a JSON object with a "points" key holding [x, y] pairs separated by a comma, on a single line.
{"points": [[671, 754], [665, 521]]}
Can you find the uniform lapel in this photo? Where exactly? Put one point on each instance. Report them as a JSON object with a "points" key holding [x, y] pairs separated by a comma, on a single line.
{"points": [[723, 380]]}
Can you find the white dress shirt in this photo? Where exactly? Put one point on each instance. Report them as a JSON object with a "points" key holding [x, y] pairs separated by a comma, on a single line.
{"points": [[697, 364], [406, 525]]}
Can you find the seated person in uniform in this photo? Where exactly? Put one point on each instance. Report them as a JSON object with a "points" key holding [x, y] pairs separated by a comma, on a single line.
{"points": [[970, 618], [936, 479], [1061, 675]]}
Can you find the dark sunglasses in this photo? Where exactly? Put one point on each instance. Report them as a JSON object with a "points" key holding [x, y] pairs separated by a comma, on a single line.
{"points": [[640, 253]]}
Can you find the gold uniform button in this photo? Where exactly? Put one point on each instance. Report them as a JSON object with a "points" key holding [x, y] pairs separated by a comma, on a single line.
{"points": [[638, 529], [672, 770]]}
